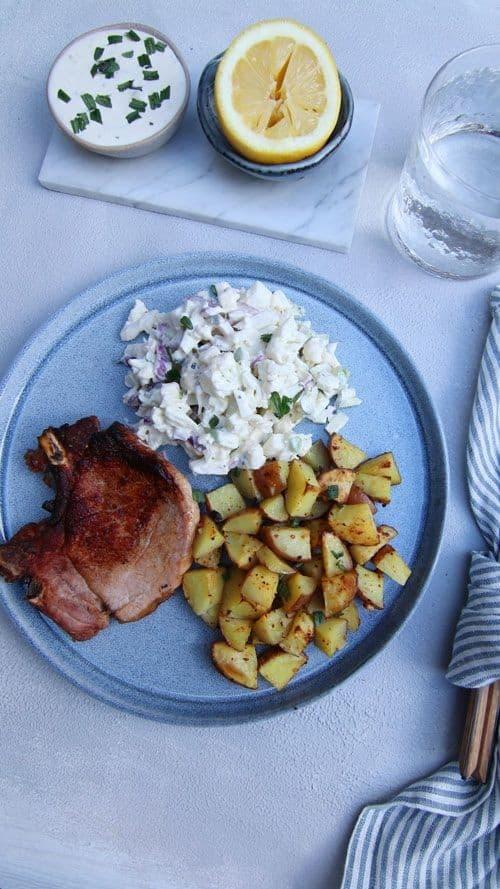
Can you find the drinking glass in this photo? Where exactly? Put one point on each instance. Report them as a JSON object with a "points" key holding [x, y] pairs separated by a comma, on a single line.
{"points": [[445, 214]]}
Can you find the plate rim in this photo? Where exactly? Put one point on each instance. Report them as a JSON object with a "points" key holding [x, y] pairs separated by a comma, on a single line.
{"points": [[95, 298]]}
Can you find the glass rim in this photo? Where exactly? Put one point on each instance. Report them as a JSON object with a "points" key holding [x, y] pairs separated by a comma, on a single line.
{"points": [[450, 173]]}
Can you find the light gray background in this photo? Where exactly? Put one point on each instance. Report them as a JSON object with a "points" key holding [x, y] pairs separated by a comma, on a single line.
{"points": [[91, 797]]}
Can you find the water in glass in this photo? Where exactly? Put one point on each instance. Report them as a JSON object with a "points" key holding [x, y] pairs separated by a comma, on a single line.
{"points": [[445, 214]]}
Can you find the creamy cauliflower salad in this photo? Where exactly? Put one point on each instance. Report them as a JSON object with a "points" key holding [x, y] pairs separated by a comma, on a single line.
{"points": [[229, 374]]}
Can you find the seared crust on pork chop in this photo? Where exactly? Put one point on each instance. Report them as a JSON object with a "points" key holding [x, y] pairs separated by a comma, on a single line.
{"points": [[120, 532]]}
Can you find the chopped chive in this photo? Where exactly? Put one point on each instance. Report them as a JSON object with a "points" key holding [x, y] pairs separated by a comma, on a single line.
{"points": [[88, 100], [95, 115], [318, 617], [165, 93], [144, 60], [160, 46], [128, 85], [137, 104], [186, 323], [295, 523], [103, 100], [134, 115], [129, 54], [115, 38], [63, 96], [151, 75], [150, 45], [132, 35], [332, 492], [213, 422], [213, 291], [198, 496], [282, 590], [154, 101], [106, 67], [174, 374], [79, 123], [98, 53], [266, 337]]}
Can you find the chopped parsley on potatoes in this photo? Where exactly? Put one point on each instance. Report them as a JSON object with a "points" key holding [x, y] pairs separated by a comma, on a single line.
{"points": [[286, 552]]}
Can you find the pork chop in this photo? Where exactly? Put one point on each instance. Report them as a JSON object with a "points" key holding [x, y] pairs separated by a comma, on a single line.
{"points": [[119, 536]]}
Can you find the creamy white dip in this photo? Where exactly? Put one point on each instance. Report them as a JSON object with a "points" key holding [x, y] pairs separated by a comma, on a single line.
{"points": [[122, 123]]}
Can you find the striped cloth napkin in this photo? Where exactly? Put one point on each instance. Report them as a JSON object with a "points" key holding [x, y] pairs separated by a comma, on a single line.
{"points": [[443, 832]]}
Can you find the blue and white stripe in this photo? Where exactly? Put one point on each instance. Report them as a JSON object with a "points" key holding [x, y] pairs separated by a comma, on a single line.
{"points": [[443, 832]]}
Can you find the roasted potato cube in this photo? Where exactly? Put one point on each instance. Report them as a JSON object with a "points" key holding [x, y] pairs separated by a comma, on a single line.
{"points": [[313, 568], [319, 509], [274, 508], [211, 617], [271, 627], [266, 557], [351, 615], [288, 542], [236, 631], [336, 557], [316, 604], [239, 666], [376, 486], [330, 635], [225, 501], [339, 591], [299, 634], [242, 549], [248, 521], [302, 489], [317, 528], [354, 524], [278, 666], [296, 591], [245, 482], [203, 589], [356, 495], [259, 588], [233, 606], [317, 457], [370, 588], [383, 465], [344, 454], [391, 563], [207, 538], [211, 560], [336, 484], [271, 478], [362, 554]]}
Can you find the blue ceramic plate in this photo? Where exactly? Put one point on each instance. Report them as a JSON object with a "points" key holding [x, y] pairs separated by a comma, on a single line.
{"points": [[160, 667], [272, 172]]}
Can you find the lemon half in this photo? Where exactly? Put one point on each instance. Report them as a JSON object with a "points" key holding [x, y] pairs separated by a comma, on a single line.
{"points": [[277, 92]]}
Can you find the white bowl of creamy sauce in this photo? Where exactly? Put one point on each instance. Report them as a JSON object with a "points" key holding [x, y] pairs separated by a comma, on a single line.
{"points": [[121, 90]]}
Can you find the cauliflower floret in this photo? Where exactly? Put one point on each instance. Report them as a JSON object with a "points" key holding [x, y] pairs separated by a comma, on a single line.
{"points": [[314, 349], [140, 320]]}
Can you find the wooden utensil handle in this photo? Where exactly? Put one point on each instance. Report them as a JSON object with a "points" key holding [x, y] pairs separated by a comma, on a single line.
{"points": [[479, 732]]}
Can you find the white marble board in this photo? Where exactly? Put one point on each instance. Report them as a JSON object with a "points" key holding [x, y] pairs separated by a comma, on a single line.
{"points": [[186, 178]]}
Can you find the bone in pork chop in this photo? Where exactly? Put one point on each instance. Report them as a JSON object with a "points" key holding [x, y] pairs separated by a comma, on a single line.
{"points": [[120, 531]]}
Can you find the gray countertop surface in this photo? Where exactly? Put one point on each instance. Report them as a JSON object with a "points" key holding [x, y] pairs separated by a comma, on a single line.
{"points": [[89, 796]]}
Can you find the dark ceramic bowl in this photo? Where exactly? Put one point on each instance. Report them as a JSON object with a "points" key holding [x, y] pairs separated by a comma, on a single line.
{"points": [[295, 170]]}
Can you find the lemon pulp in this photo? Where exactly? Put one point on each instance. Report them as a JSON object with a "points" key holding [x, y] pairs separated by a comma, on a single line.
{"points": [[277, 92]]}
